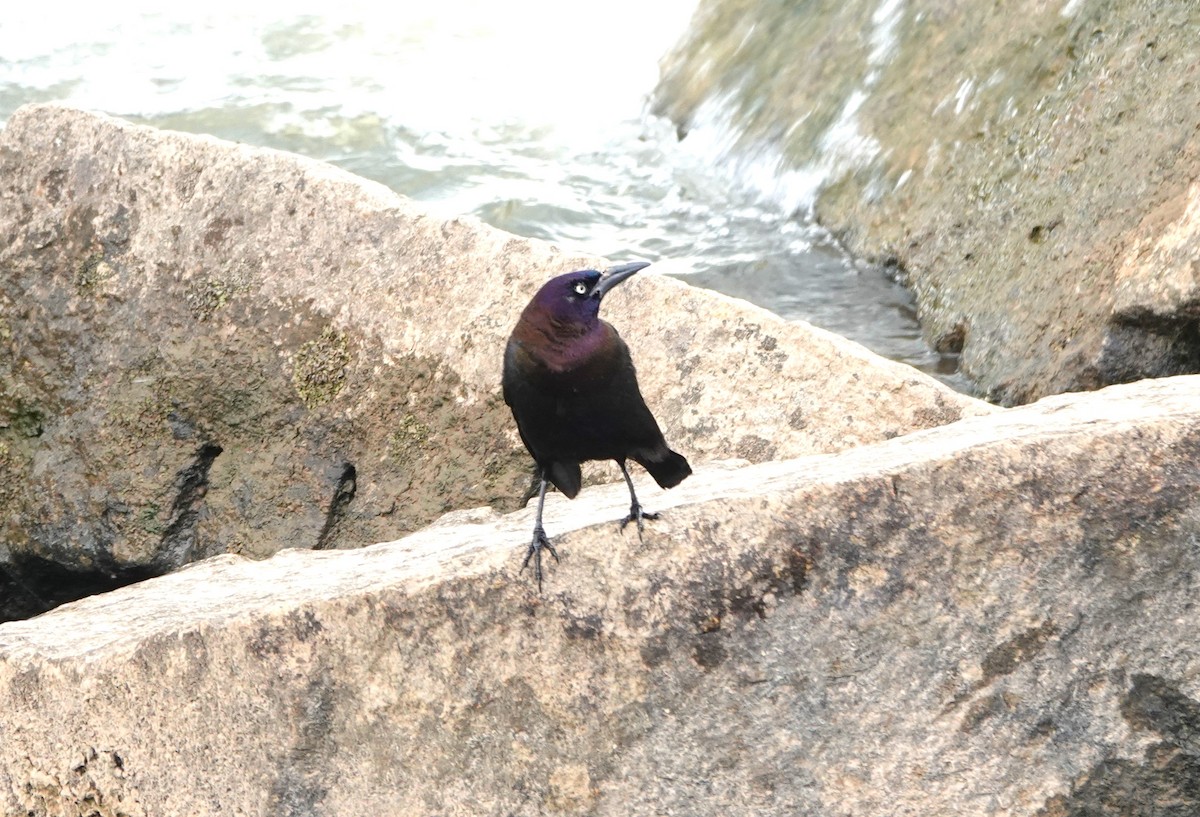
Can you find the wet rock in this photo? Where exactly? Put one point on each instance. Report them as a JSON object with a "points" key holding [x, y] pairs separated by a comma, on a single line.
{"points": [[995, 617], [207, 348], [1028, 166]]}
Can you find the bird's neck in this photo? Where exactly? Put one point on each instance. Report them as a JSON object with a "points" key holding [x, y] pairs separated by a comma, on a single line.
{"points": [[562, 345]]}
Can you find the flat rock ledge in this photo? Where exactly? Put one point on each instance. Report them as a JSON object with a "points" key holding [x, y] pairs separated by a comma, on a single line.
{"points": [[209, 348], [994, 617]]}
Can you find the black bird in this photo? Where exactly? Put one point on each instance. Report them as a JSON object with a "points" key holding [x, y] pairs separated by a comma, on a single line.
{"points": [[573, 390]]}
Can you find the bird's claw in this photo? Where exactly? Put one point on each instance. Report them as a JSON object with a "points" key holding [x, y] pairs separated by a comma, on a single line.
{"points": [[540, 542], [637, 514]]}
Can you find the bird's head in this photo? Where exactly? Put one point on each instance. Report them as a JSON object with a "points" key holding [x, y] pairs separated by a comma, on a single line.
{"points": [[575, 297]]}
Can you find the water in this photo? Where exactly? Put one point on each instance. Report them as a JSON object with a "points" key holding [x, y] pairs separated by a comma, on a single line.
{"points": [[531, 115]]}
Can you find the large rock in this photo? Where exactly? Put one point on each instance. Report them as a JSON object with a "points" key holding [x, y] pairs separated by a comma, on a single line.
{"points": [[209, 348], [1027, 167], [996, 617]]}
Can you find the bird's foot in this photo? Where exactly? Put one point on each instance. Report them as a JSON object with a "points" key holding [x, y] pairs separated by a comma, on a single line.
{"points": [[540, 542], [636, 514]]}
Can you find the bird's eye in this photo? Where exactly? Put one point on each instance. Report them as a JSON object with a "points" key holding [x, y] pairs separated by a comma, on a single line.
{"points": [[581, 288]]}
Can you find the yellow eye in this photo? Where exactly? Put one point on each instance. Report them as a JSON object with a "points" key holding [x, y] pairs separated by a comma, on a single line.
{"points": [[581, 288]]}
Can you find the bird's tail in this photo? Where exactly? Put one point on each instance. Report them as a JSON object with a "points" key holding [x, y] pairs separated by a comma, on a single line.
{"points": [[667, 467]]}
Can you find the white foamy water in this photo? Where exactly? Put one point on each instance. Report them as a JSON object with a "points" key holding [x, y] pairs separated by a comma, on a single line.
{"points": [[528, 114]]}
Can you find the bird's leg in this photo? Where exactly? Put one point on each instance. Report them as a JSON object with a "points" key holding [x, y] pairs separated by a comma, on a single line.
{"points": [[531, 490], [636, 514], [540, 539]]}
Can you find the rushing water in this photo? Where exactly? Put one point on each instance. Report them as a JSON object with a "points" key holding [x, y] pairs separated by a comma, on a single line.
{"points": [[530, 115]]}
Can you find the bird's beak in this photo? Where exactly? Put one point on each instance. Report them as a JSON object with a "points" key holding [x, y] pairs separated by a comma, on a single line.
{"points": [[615, 275]]}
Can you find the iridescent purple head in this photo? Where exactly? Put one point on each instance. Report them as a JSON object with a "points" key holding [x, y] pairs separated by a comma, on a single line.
{"points": [[575, 297]]}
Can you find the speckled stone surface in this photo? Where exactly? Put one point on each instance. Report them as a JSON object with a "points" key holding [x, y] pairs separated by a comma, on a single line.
{"points": [[210, 348], [995, 617]]}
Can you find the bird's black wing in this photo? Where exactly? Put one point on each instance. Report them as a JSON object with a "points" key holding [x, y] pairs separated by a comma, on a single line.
{"points": [[642, 439], [536, 405]]}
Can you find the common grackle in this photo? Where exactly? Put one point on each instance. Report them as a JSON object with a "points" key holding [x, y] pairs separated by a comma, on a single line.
{"points": [[573, 390]]}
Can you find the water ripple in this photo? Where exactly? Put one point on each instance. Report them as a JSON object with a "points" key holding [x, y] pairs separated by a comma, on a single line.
{"points": [[517, 113]]}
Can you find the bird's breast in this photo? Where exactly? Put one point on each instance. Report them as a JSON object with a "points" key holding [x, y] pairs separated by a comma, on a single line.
{"points": [[569, 362]]}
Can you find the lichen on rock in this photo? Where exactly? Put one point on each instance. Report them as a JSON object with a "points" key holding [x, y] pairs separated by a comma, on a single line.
{"points": [[319, 371]]}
